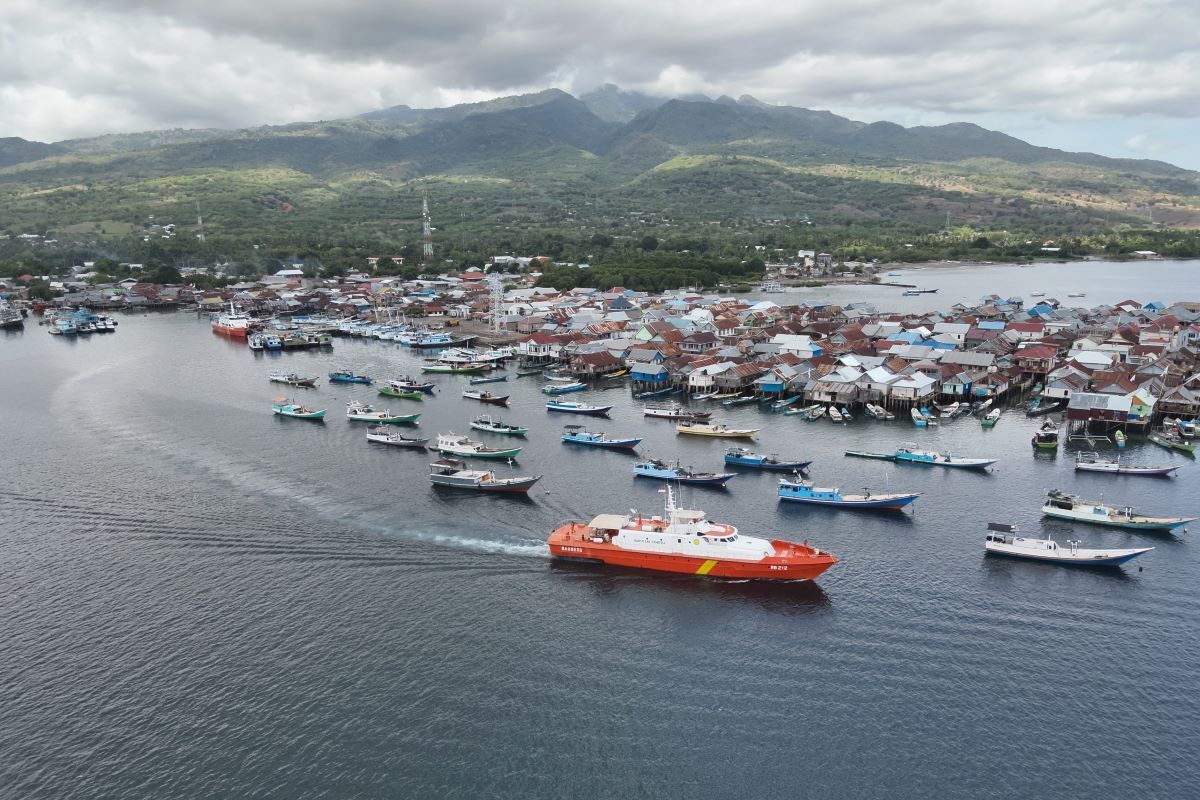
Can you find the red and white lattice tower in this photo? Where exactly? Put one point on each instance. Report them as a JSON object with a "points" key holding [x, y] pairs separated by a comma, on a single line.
{"points": [[426, 231]]}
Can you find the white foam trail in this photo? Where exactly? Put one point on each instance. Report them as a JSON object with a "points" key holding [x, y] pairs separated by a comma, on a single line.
{"points": [[528, 549]]}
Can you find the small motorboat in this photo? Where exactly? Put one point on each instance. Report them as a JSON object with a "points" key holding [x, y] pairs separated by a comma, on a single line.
{"points": [[661, 470], [457, 445], [525, 373], [356, 413], [402, 394], [576, 434], [382, 434], [817, 412], [676, 412], [1092, 462], [993, 416], [846, 416], [1119, 438], [567, 407], [805, 411], [741, 457], [563, 388], [453, 474], [485, 422], [485, 397], [1001, 540], [931, 419], [738, 401], [918, 418], [488, 379], [718, 431], [806, 492], [1171, 440], [1046, 437], [835, 415], [348, 376], [288, 408]]}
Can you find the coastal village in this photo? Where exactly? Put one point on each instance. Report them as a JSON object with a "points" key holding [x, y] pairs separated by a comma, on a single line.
{"points": [[1128, 364]]}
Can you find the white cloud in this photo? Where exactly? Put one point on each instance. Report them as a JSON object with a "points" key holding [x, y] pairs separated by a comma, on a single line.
{"points": [[78, 67]]}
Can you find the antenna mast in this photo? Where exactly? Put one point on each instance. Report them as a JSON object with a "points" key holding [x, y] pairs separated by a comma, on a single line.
{"points": [[496, 302], [426, 230], [199, 223]]}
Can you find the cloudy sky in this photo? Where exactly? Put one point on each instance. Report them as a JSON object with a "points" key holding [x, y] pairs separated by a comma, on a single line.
{"points": [[1118, 77]]}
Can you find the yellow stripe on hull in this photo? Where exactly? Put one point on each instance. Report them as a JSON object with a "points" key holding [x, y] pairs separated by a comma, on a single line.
{"points": [[706, 567]]}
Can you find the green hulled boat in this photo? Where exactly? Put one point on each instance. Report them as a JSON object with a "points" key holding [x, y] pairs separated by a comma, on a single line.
{"points": [[392, 391], [1173, 442]]}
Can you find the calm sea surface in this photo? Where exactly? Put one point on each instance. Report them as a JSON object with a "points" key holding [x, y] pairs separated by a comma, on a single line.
{"points": [[201, 599]]}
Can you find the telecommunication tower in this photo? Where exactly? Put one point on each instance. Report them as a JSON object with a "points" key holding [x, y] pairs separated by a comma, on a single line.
{"points": [[426, 231]]}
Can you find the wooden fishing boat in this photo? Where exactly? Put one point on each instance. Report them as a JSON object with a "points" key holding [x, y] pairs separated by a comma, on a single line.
{"points": [[676, 412], [524, 373], [458, 445], [357, 413], [834, 414], [563, 388], [661, 470], [817, 412], [488, 379], [381, 434], [1172, 441], [288, 408], [738, 401], [455, 369], [292, 379], [992, 418], [1092, 462], [567, 407], [576, 434], [719, 431], [453, 474], [1064, 506], [806, 492], [741, 457], [918, 418], [348, 376], [1001, 540], [485, 422], [485, 397], [910, 454], [1046, 437], [407, 383], [403, 394]]}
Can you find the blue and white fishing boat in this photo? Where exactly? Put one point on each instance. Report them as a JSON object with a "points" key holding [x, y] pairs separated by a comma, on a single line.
{"points": [[741, 457], [909, 453], [577, 434], [661, 470], [918, 418], [655, 393], [738, 401], [1002, 541], [563, 388], [806, 492], [567, 407]]}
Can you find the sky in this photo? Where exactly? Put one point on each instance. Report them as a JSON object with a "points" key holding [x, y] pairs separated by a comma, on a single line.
{"points": [[1116, 77]]}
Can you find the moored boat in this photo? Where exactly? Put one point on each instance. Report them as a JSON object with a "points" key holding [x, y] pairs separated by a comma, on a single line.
{"points": [[741, 457], [577, 434], [661, 470], [918, 418], [675, 412], [1092, 462], [454, 474], [485, 397], [389, 390], [834, 414], [454, 369], [685, 541], [1001, 540], [1172, 441], [719, 431], [488, 379], [991, 418], [909, 453], [455, 444], [806, 492], [1046, 437], [407, 383], [485, 422], [1064, 506], [355, 412], [738, 401], [1119, 438], [292, 379], [348, 376], [232, 324], [568, 407], [382, 434], [288, 408], [563, 388]]}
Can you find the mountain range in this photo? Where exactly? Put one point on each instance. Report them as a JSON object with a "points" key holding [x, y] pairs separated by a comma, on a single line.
{"points": [[551, 160]]}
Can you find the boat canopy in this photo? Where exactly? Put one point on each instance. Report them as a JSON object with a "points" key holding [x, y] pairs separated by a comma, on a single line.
{"points": [[608, 522]]}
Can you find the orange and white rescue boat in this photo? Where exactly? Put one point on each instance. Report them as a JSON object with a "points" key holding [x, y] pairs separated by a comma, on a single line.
{"points": [[684, 541]]}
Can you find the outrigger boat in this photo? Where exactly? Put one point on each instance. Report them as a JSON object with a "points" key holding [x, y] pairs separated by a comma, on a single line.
{"points": [[453, 474], [719, 431], [1092, 462], [677, 412], [382, 434], [661, 470], [1069, 507], [485, 422], [485, 397], [741, 457], [805, 492], [1047, 436], [567, 407], [458, 445], [287, 408], [564, 388], [576, 434], [685, 542], [1002, 541], [292, 379], [348, 376]]}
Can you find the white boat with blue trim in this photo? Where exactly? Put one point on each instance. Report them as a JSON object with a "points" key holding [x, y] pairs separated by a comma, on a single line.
{"points": [[1001, 540]]}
